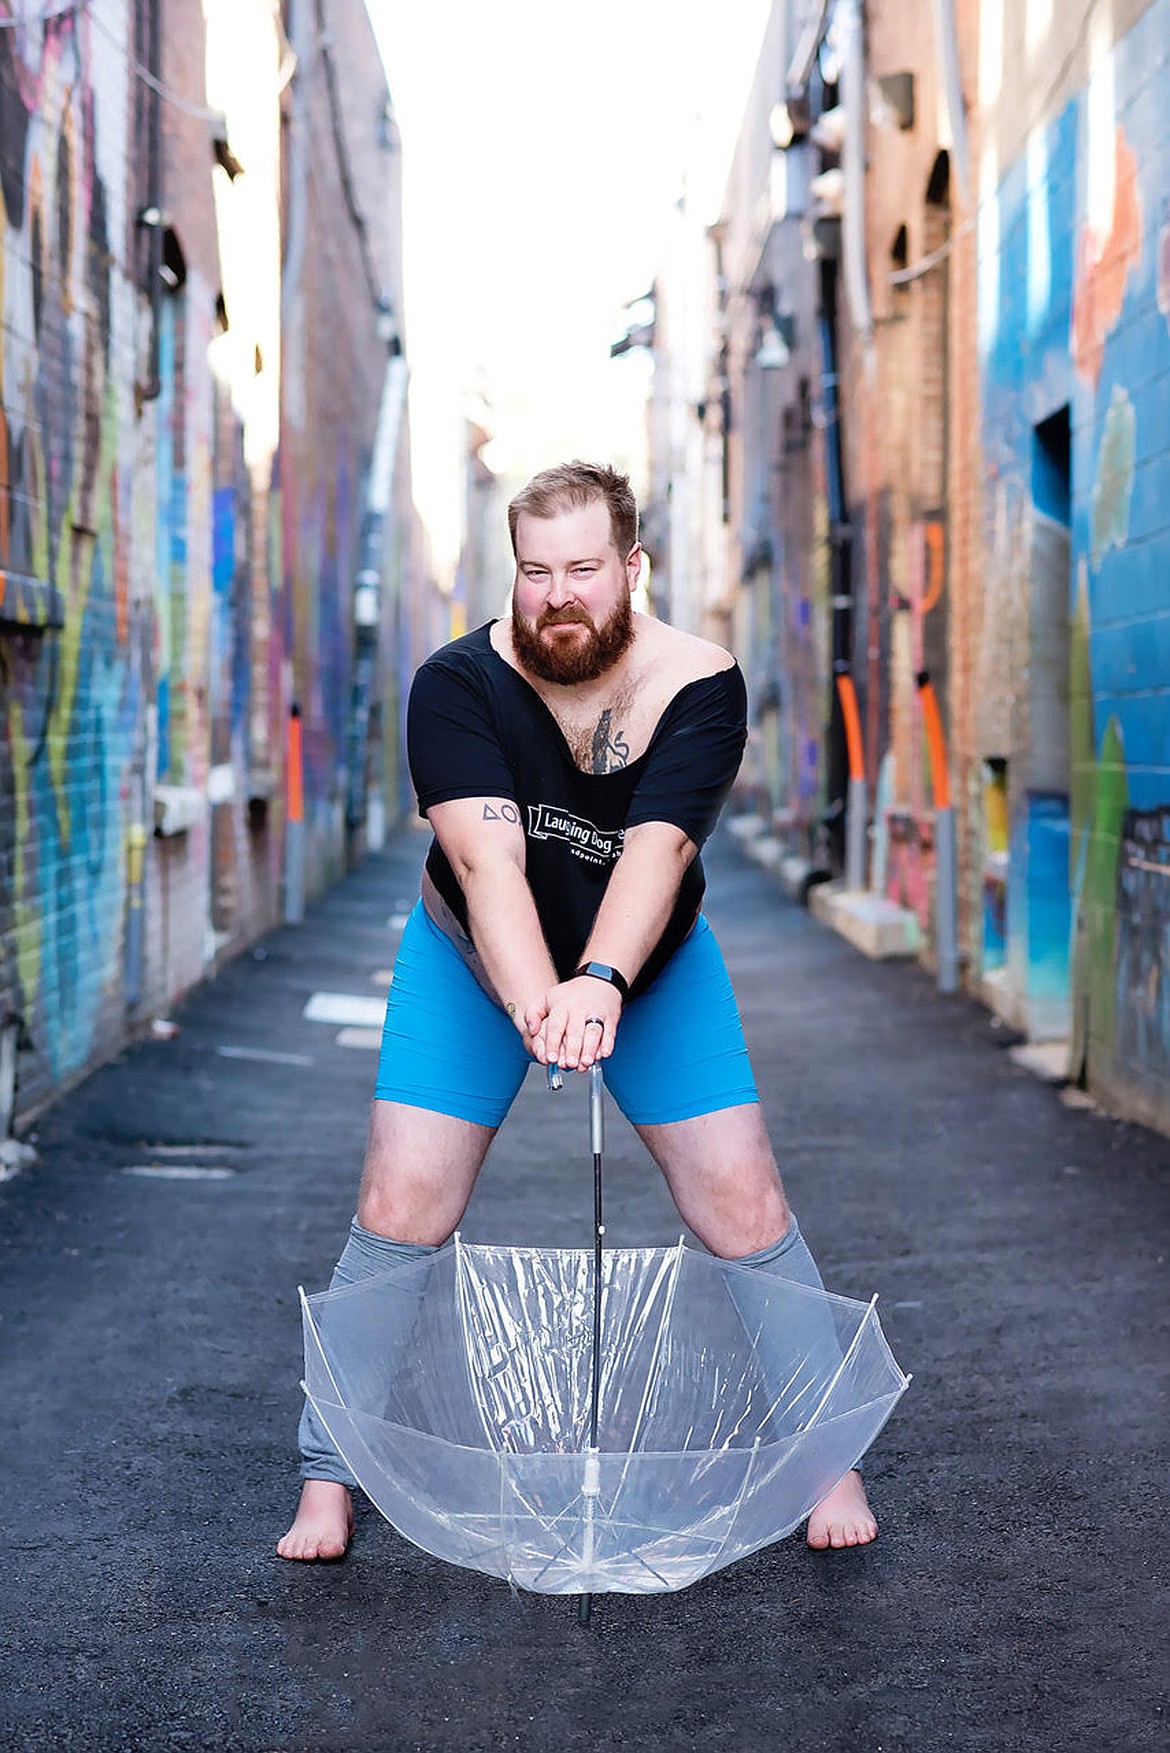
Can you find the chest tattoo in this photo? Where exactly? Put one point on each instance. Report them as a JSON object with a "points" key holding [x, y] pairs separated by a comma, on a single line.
{"points": [[611, 749]]}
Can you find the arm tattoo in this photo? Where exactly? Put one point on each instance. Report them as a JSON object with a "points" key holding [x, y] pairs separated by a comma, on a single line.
{"points": [[610, 748], [507, 812]]}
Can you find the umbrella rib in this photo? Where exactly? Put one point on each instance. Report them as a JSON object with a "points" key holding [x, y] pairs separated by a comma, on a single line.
{"points": [[564, 1545], [843, 1365], [659, 1342], [461, 1283], [738, 1505], [307, 1313]]}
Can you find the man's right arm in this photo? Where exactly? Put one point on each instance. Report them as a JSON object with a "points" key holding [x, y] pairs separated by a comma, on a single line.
{"points": [[483, 841]]}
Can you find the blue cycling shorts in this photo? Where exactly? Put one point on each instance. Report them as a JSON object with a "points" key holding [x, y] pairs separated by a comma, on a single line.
{"points": [[447, 1047]]}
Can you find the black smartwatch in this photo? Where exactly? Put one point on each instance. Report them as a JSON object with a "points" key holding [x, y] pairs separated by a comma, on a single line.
{"points": [[603, 971]]}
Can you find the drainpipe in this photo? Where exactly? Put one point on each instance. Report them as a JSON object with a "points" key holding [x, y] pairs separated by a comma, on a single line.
{"points": [[150, 216], [135, 888], [367, 596], [840, 562], [947, 44], [300, 36], [857, 804], [853, 97], [946, 915], [294, 823]]}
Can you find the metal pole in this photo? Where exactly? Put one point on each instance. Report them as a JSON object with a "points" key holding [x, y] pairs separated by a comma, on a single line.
{"points": [[945, 921], [592, 1461], [294, 824], [945, 906]]}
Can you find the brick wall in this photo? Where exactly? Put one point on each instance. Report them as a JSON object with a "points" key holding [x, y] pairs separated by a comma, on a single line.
{"points": [[1074, 348], [147, 601], [341, 222]]}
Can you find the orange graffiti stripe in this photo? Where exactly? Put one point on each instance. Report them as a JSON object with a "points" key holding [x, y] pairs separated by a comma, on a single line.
{"points": [[296, 790], [848, 697]]}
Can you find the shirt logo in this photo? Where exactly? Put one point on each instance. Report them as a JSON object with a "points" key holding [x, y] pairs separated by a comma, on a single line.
{"points": [[584, 839]]}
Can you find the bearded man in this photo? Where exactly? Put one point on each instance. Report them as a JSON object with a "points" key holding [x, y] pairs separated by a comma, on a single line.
{"points": [[570, 762]]}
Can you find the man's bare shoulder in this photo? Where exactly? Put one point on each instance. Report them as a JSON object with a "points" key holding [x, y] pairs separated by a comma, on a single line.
{"points": [[678, 657]]}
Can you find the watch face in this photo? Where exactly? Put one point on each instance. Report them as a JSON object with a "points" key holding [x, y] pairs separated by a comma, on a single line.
{"points": [[602, 971]]}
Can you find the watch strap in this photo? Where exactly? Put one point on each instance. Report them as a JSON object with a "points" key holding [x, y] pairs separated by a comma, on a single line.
{"points": [[603, 971]]}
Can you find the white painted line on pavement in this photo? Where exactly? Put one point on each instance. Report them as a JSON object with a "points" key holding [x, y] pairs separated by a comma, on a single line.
{"points": [[193, 1151], [264, 1055], [371, 1039], [178, 1172], [345, 1009]]}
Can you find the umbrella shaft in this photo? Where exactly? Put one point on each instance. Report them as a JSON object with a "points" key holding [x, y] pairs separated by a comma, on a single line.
{"points": [[598, 1233]]}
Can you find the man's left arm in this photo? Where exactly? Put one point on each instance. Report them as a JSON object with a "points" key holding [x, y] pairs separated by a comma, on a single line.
{"points": [[634, 912]]}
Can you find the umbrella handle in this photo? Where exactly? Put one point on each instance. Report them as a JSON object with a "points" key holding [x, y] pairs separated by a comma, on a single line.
{"points": [[596, 1111]]}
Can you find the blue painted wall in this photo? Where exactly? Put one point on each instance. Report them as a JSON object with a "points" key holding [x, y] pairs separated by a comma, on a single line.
{"points": [[1075, 308]]}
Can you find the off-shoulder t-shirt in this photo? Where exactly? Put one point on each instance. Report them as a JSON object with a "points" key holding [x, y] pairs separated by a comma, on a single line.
{"points": [[476, 728]]}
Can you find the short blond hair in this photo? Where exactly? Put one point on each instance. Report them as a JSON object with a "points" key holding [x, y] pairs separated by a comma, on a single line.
{"points": [[570, 485]]}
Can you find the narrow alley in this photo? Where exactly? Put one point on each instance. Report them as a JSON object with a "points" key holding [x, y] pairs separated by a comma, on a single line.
{"points": [[150, 1366]]}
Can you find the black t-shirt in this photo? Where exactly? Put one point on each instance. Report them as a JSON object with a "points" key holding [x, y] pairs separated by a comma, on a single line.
{"points": [[476, 728]]}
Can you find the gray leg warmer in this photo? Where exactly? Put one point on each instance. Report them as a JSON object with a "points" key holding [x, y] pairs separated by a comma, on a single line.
{"points": [[364, 1255], [810, 1334]]}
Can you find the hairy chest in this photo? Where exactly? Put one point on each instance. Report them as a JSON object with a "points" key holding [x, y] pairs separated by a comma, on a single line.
{"points": [[610, 733]]}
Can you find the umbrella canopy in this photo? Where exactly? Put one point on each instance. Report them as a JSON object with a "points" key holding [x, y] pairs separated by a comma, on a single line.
{"points": [[731, 1401]]}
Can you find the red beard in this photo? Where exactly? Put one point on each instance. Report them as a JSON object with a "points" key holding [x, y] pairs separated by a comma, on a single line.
{"points": [[567, 661]]}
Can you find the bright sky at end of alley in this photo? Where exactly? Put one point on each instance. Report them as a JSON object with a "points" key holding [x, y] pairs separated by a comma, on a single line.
{"points": [[542, 149]]}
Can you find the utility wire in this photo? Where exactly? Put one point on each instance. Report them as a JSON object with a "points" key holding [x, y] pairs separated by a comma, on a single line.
{"points": [[199, 111], [906, 276], [47, 17], [344, 157], [168, 95]]}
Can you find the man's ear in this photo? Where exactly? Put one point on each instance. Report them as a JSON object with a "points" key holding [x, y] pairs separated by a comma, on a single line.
{"points": [[634, 565]]}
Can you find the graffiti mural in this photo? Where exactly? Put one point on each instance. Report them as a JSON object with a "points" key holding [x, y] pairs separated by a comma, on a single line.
{"points": [[1099, 343], [66, 311]]}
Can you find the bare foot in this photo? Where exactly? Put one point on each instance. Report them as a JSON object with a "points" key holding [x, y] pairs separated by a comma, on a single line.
{"points": [[323, 1522], [844, 1518]]}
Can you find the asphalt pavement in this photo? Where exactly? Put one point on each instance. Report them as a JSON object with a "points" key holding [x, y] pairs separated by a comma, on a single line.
{"points": [[150, 1357]]}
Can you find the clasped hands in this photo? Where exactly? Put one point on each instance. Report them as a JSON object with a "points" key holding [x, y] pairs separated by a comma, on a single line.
{"points": [[574, 1024]]}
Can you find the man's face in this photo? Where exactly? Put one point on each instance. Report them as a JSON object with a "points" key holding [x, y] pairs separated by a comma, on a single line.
{"points": [[571, 613]]}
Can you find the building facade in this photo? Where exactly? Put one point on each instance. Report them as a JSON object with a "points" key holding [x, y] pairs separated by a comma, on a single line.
{"points": [[179, 562], [941, 285]]}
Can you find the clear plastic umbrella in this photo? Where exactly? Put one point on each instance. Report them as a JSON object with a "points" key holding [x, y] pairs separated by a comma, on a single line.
{"points": [[577, 1421]]}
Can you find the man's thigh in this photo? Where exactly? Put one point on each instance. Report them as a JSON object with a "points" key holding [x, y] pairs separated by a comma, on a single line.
{"points": [[445, 1046], [723, 1178], [680, 1051], [680, 1073], [419, 1173], [450, 1065]]}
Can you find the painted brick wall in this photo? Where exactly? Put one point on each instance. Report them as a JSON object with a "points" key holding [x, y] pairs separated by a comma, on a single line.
{"points": [[149, 608], [895, 419], [340, 219], [70, 520], [1074, 296]]}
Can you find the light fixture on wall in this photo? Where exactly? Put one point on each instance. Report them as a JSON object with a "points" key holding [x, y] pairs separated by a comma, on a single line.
{"points": [[789, 121], [777, 342], [891, 101]]}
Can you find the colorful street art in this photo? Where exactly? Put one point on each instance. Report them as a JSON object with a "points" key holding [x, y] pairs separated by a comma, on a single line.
{"points": [[1105, 263], [1101, 343], [64, 733], [155, 616]]}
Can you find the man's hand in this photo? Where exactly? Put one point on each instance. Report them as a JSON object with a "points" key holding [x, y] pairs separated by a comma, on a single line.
{"points": [[575, 1024]]}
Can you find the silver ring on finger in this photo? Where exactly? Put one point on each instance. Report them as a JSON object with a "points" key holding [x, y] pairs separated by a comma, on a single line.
{"points": [[595, 1019]]}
